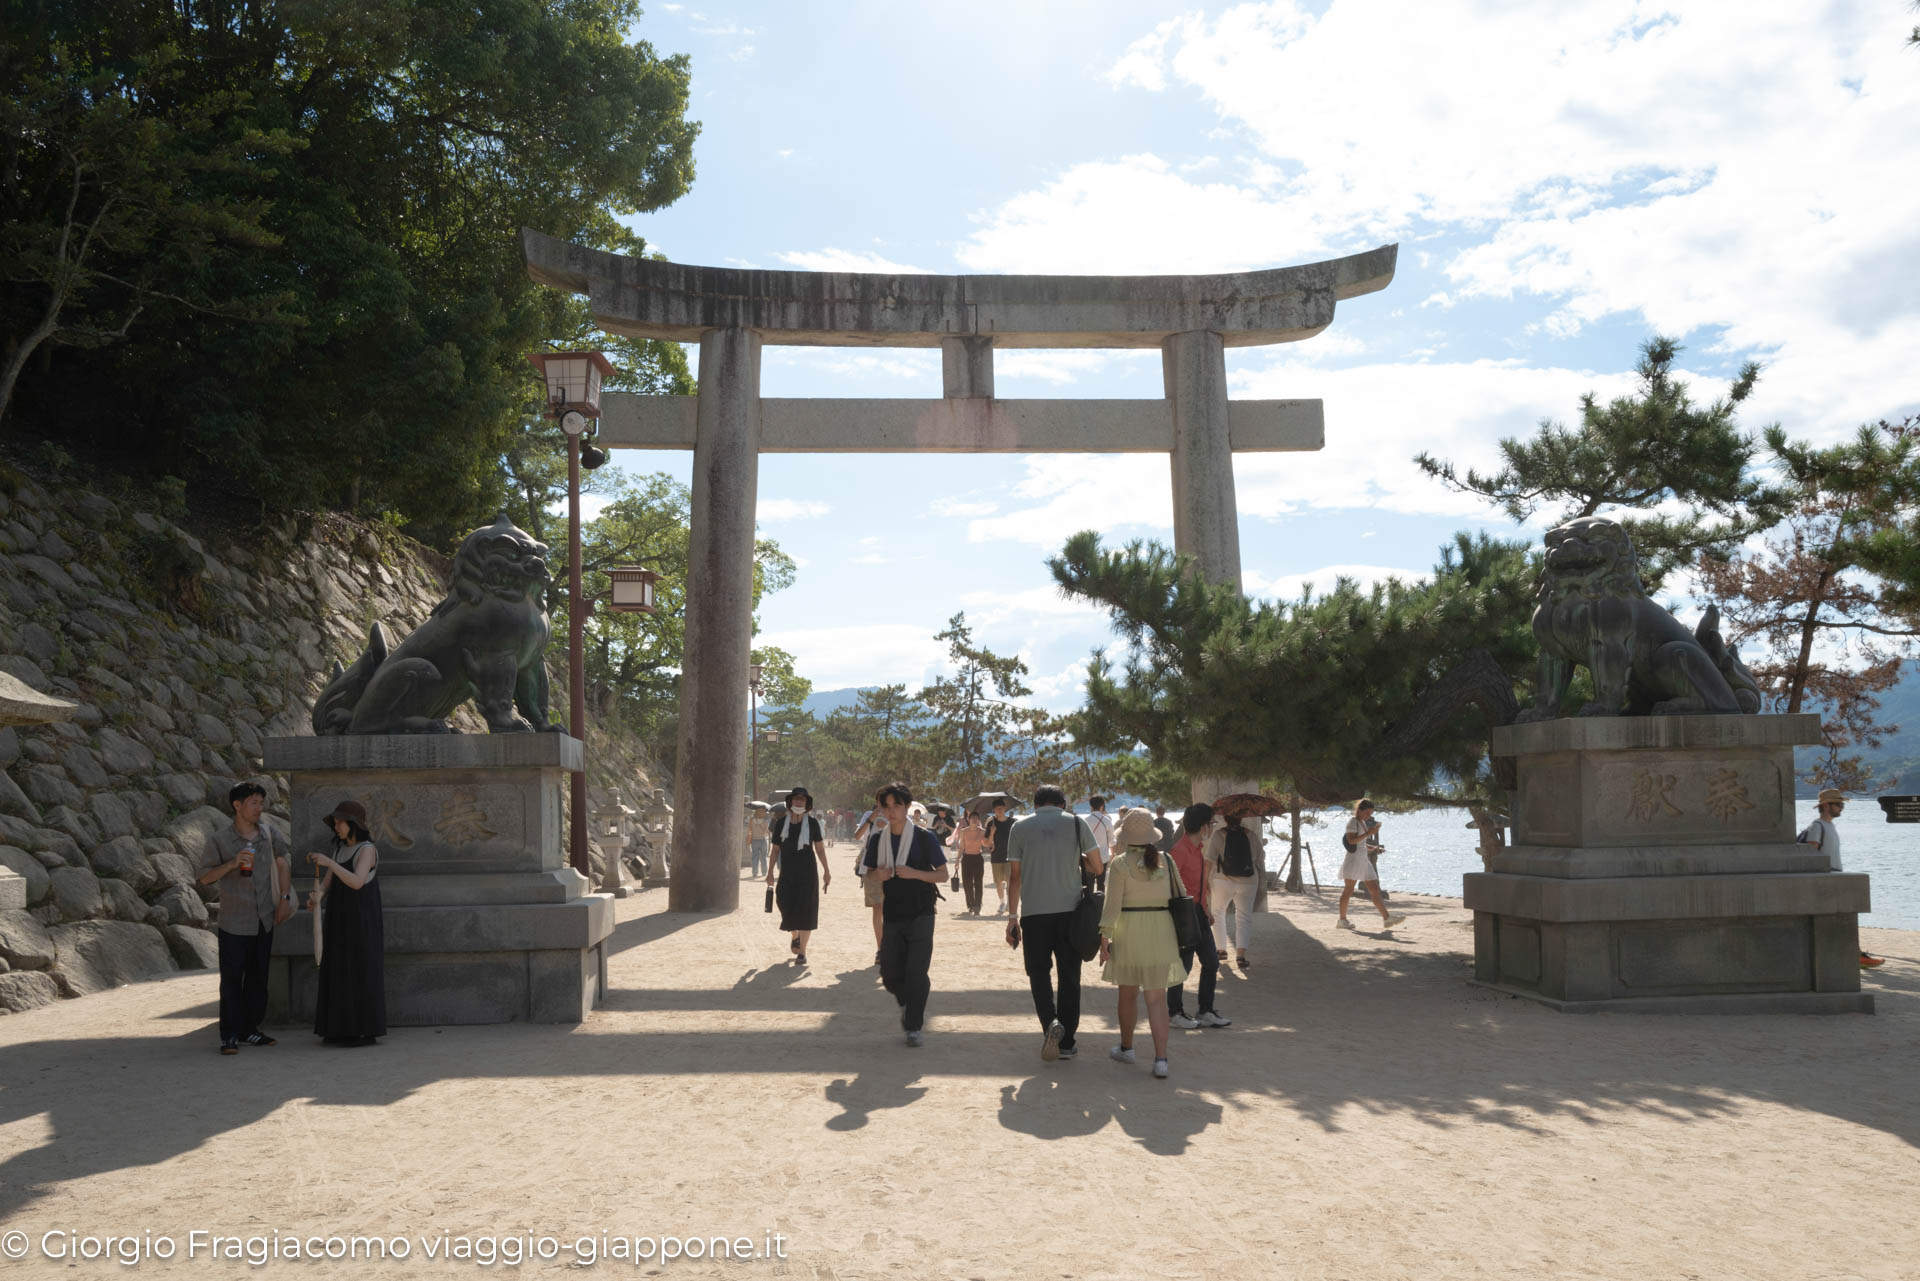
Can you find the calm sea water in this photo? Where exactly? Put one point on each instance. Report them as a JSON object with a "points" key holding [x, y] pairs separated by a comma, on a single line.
{"points": [[1427, 851]]}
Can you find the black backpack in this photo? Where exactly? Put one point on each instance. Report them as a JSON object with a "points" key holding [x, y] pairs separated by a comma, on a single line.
{"points": [[1236, 857]]}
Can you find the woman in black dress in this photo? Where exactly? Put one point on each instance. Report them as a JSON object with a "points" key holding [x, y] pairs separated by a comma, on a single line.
{"points": [[797, 840], [352, 1008]]}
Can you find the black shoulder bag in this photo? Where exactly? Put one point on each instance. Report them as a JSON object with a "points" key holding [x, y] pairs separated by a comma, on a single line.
{"points": [[1184, 911], [1084, 932]]}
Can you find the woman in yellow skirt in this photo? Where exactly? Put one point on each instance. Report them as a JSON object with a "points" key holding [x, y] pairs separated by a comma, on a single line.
{"points": [[1138, 949]]}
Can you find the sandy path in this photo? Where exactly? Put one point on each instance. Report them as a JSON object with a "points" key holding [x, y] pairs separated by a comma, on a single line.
{"points": [[1369, 1115]]}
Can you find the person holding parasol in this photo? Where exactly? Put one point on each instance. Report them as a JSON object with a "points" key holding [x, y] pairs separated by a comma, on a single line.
{"points": [[351, 1008]]}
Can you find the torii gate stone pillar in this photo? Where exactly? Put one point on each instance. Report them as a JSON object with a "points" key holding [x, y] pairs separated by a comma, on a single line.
{"points": [[731, 313]]}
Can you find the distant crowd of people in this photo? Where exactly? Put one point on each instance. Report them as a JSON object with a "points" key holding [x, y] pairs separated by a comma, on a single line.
{"points": [[1050, 870]]}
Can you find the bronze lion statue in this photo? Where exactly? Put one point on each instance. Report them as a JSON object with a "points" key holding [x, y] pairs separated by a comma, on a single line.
{"points": [[486, 641], [1594, 612]]}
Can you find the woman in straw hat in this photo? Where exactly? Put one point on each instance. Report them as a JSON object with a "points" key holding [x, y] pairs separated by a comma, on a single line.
{"points": [[352, 1005], [1138, 947]]}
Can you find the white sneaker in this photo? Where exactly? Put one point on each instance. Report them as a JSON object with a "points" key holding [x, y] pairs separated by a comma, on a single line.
{"points": [[1050, 1047], [1343, 924], [1392, 921], [1185, 1022], [1160, 1068], [916, 1039], [1210, 1019], [1121, 1054]]}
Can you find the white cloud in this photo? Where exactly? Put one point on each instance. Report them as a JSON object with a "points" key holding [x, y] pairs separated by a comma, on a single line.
{"points": [[741, 54], [831, 259], [768, 509], [840, 656], [784, 152], [957, 507], [1100, 491], [1136, 214], [1698, 166], [1378, 416]]}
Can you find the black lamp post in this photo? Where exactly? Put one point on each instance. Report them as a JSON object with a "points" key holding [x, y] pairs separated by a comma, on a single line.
{"points": [[573, 397], [754, 674]]}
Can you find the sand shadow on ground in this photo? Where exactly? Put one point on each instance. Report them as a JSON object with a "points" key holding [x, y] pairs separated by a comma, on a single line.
{"points": [[1328, 1027]]}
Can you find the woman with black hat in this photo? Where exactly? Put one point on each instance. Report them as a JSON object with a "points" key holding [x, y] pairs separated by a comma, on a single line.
{"points": [[798, 840], [352, 1004]]}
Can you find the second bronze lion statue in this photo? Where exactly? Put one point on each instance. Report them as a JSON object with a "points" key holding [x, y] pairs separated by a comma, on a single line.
{"points": [[487, 641], [1594, 613]]}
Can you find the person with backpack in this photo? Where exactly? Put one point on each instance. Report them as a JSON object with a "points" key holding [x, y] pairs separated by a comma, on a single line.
{"points": [[1235, 857], [1052, 854], [1188, 855], [1360, 840]]}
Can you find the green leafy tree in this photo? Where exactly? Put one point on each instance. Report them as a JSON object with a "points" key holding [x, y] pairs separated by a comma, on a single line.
{"points": [[392, 150], [1312, 689], [633, 660], [102, 199], [1636, 452], [988, 738]]}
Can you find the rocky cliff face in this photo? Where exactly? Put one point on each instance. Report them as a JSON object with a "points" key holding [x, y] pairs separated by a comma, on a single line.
{"points": [[183, 658]]}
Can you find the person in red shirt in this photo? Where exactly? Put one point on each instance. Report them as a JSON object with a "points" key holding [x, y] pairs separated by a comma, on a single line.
{"points": [[1189, 855]]}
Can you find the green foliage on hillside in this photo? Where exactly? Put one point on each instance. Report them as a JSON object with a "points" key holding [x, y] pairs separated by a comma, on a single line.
{"points": [[277, 242]]}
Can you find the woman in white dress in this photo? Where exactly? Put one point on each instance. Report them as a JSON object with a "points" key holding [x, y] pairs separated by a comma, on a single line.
{"points": [[1362, 839]]}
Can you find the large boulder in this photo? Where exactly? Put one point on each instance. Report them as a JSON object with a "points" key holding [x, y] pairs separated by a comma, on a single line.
{"points": [[96, 955], [49, 785], [27, 990], [121, 754], [123, 904], [149, 809], [24, 942], [14, 801], [122, 859], [26, 865], [184, 791], [170, 867], [190, 831], [76, 893], [84, 831], [83, 767], [180, 905], [113, 814], [193, 949]]}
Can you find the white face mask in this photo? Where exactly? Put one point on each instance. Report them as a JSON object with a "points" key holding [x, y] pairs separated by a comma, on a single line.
{"points": [[796, 810]]}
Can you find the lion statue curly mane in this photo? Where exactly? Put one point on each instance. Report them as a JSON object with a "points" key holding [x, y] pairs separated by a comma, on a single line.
{"points": [[486, 641], [1594, 612]]}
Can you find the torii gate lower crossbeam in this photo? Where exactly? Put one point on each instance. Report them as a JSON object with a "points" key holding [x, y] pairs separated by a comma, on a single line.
{"points": [[733, 313]]}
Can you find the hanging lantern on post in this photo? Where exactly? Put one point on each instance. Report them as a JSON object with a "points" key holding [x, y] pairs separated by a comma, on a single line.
{"points": [[632, 589]]}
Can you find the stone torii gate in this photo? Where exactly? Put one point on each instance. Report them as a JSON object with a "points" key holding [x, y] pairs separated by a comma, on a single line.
{"points": [[732, 313]]}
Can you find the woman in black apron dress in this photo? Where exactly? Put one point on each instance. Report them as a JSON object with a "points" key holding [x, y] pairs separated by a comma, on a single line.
{"points": [[796, 838], [352, 1004]]}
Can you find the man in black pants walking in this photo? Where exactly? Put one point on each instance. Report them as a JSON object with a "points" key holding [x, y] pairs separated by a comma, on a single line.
{"points": [[1048, 853], [908, 863]]}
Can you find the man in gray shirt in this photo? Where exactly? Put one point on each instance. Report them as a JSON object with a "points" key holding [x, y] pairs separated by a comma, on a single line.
{"points": [[1046, 853], [251, 865]]}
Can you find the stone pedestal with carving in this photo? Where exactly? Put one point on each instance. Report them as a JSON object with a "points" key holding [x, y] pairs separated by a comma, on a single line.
{"points": [[1654, 869], [485, 922]]}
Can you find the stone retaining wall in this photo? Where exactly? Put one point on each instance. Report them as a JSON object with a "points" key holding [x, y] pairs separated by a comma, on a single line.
{"points": [[183, 658]]}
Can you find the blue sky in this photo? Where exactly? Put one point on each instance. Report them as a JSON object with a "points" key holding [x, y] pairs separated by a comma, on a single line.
{"points": [[1563, 180]]}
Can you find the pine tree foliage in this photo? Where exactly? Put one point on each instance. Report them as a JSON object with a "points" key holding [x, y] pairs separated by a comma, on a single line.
{"points": [[1307, 689], [1636, 453]]}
